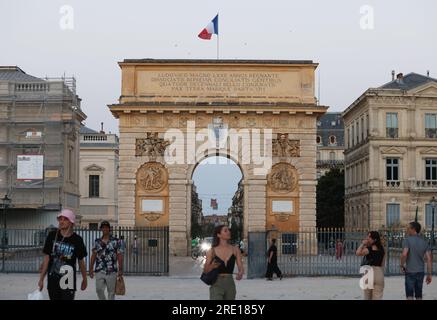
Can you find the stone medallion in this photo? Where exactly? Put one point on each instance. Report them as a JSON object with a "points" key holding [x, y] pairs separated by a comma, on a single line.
{"points": [[152, 177], [282, 179]]}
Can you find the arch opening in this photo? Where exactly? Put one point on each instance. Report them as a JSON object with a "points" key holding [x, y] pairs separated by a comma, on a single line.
{"points": [[217, 197]]}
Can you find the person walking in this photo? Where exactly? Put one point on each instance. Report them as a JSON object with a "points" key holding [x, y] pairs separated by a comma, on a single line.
{"points": [[63, 248], [242, 247], [373, 253], [272, 262], [135, 250], [107, 253], [415, 250], [223, 256], [122, 245], [339, 249]]}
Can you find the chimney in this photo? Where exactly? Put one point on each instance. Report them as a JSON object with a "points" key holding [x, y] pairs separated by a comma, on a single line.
{"points": [[427, 73], [101, 130], [392, 75], [400, 78]]}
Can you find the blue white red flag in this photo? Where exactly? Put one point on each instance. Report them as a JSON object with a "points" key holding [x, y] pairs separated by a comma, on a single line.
{"points": [[210, 29]]}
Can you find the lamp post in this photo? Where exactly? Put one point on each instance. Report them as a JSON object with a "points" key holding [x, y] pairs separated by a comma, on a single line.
{"points": [[433, 205], [5, 203]]}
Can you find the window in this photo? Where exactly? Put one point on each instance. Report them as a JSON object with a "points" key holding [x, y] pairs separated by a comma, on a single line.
{"points": [[362, 129], [347, 138], [319, 123], [367, 124], [392, 169], [70, 164], [319, 140], [318, 156], [332, 140], [333, 123], [392, 125], [332, 156], [353, 135], [358, 131], [431, 169], [393, 214], [94, 184], [430, 125], [428, 216]]}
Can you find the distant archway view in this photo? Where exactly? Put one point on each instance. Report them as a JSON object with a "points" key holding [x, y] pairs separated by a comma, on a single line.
{"points": [[217, 197]]}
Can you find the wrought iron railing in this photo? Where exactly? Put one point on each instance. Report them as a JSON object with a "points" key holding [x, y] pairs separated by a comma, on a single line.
{"points": [[325, 252], [21, 249]]}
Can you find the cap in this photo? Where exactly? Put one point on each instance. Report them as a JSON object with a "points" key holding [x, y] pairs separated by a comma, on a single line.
{"points": [[67, 213], [104, 224]]}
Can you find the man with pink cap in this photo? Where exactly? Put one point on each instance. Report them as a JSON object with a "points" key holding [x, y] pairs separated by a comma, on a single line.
{"points": [[62, 248]]}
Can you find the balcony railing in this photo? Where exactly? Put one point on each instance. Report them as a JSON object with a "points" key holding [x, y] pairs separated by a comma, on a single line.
{"points": [[431, 133], [333, 163], [424, 185], [411, 185], [393, 184], [392, 133]]}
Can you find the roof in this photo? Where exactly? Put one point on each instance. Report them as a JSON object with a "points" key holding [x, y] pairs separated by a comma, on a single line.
{"points": [[408, 82], [326, 121], [86, 130], [331, 124], [14, 73], [224, 61]]}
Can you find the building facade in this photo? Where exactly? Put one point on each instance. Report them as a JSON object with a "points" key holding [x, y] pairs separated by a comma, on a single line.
{"points": [[391, 154], [39, 147], [330, 143], [236, 211], [215, 220], [164, 104], [196, 206], [98, 169]]}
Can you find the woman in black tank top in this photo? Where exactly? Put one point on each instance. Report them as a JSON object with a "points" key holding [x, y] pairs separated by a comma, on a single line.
{"points": [[223, 256], [373, 255]]}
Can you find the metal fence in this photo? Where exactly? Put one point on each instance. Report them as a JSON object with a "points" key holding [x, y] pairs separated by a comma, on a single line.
{"points": [[21, 249], [324, 252]]}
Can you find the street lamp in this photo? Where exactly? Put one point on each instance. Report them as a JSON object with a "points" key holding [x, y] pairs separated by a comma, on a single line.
{"points": [[433, 205], [5, 202]]}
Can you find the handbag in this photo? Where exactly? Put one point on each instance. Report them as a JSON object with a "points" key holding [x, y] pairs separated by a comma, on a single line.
{"points": [[210, 278], [120, 288]]}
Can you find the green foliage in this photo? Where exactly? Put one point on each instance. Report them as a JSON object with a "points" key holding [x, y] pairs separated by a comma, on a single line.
{"points": [[330, 200], [196, 230]]}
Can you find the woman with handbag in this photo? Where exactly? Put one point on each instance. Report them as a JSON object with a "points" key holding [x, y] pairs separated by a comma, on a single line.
{"points": [[373, 255], [220, 263]]}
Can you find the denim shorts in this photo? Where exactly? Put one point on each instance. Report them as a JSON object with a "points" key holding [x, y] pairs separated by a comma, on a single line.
{"points": [[414, 284]]}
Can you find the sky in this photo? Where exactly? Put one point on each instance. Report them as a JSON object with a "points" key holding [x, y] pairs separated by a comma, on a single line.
{"points": [[216, 178], [357, 43]]}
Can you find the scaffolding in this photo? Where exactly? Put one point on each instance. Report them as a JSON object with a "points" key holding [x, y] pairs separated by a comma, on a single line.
{"points": [[40, 117]]}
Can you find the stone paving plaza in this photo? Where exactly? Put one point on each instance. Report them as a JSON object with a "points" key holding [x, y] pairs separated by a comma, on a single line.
{"points": [[184, 284]]}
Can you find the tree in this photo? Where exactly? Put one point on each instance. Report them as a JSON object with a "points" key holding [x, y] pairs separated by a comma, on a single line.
{"points": [[330, 200], [196, 230], [234, 231]]}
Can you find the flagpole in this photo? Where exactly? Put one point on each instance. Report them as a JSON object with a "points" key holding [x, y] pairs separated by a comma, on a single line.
{"points": [[218, 37]]}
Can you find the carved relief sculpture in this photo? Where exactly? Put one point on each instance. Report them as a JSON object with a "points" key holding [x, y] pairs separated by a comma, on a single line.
{"points": [[282, 179], [152, 146], [283, 147], [152, 177]]}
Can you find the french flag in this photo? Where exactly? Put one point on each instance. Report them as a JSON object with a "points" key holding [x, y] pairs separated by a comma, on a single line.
{"points": [[211, 28]]}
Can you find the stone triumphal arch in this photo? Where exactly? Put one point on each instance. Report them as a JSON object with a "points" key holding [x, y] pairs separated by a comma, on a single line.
{"points": [[174, 113]]}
